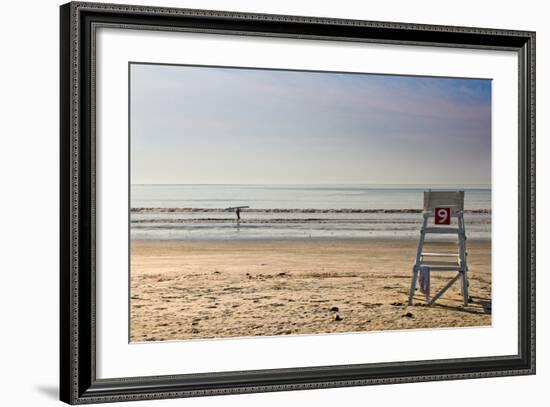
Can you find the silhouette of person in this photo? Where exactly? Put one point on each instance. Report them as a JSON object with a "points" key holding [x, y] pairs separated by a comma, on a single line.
{"points": [[238, 213]]}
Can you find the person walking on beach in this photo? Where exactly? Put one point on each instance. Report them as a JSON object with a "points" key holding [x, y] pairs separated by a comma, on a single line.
{"points": [[238, 213]]}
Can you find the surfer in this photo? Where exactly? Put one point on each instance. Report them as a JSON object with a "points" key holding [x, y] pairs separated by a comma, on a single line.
{"points": [[237, 210]]}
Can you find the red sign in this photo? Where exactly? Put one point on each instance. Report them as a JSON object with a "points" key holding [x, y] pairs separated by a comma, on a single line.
{"points": [[442, 216]]}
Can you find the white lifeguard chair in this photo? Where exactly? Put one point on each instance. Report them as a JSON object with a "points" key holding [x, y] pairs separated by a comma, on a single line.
{"points": [[437, 206]]}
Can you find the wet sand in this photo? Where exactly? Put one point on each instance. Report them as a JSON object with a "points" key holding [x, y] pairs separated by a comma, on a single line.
{"points": [[220, 289]]}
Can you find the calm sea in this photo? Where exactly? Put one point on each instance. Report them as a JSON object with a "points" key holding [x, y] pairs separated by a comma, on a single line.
{"points": [[198, 212]]}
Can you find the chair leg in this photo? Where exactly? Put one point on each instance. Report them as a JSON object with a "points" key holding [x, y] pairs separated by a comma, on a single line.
{"points": [[463, 260], [465, 287], [413, 284], [417, 260]]}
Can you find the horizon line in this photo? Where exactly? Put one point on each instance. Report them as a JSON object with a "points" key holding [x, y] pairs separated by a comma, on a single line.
{"points": [[316, 184]]}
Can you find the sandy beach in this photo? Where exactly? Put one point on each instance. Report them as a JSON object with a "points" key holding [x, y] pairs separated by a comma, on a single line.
{"points": [[219, 289]]}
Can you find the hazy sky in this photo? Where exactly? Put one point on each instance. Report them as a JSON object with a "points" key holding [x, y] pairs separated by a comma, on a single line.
{"points": [[225, 125]]}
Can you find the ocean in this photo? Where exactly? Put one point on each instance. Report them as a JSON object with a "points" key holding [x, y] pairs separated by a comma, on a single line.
{"points": [[198, 212]]}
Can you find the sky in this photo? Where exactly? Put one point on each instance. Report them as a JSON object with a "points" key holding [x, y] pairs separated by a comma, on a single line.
{"points": [[215, 125]]}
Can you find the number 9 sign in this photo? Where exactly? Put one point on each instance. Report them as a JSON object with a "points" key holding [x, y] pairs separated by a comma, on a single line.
{"points": [[442, 216]]}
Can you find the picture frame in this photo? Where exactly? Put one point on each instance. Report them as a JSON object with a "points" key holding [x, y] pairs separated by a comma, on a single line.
{"points": [[79, 382]]}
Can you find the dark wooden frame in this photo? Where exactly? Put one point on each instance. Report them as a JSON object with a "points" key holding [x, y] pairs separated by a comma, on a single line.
{"points": [[78, 382]]}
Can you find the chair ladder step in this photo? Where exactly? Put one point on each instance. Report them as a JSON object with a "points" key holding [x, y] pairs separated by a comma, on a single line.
{"points": [[439, 263], [455, 267], [441, 230], [430, 254]]}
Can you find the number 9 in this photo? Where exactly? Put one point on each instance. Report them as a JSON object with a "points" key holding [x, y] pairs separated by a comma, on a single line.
{"points": [[442, 215]]}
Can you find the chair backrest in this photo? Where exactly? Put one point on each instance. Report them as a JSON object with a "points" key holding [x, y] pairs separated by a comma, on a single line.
{"points": [[436, 199]]}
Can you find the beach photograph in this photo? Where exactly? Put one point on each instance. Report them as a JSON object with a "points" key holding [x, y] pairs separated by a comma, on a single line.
{"points": [[267, 202]]}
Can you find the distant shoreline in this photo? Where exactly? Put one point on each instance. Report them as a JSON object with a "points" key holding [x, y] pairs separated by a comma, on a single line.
{"points": [[375, 238], [345, 185], [293, 210]]}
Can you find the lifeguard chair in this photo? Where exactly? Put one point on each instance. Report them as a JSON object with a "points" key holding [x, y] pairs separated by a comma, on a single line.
{"points": [[442, 207]]}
